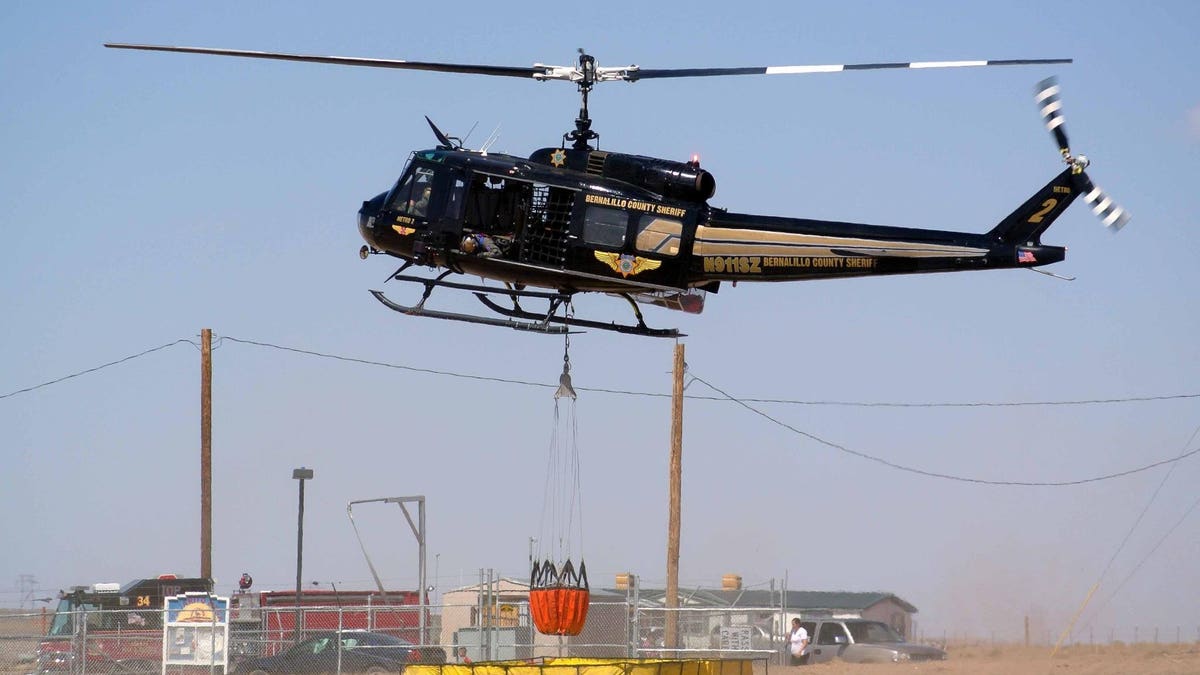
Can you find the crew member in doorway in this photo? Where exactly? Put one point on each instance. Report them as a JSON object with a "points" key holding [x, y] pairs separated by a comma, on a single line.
{"points": [[479, 244]]}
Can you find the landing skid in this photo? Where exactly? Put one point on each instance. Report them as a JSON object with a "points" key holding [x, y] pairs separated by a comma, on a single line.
{"points": [[516, 317], [640, 329], [419, 310]]}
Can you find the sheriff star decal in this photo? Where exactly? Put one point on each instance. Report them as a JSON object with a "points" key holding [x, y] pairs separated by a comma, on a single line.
{"points": [[558, 157], [627, 265]]}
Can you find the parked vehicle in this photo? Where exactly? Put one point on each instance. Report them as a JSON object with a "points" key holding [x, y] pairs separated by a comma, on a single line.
{"points": [[117, 629], [863, 641], [263, 622], [346, 652], [121, 626]]}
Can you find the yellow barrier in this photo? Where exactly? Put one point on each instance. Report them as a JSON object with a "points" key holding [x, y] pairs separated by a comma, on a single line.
{"points": [[577, 666]]}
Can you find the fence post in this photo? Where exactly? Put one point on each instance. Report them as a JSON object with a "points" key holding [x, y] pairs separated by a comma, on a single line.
{"points": [[83, 650], [339, 639]]}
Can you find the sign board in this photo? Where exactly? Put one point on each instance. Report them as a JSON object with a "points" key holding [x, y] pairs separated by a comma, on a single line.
{"points": [[195, 630], [736, 638]]}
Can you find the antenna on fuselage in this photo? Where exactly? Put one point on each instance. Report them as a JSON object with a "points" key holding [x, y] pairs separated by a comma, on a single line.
{"points": [[469, 132], [491, 140]]}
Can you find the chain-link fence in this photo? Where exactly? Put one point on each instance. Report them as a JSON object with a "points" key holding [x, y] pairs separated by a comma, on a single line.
{"points": [[368, 639]]}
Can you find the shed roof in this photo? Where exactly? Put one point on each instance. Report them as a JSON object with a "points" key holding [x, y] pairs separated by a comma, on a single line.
{"points": [[795, 600]]}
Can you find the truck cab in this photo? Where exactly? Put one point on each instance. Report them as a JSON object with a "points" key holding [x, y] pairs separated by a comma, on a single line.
{"points": [[111, 626]]}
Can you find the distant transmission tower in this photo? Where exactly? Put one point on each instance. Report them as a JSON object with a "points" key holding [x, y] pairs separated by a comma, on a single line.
{"points": [[27, 585]]}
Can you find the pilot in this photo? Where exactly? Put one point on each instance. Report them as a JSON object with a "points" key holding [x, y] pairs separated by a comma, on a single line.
{"points": [[418, 207]]}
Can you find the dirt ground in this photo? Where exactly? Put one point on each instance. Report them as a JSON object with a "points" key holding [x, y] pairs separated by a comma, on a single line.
{"points": [[1142, 659]]}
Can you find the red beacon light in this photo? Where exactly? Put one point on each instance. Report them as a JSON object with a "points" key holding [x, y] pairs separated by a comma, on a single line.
{"points": [[695, 160]]}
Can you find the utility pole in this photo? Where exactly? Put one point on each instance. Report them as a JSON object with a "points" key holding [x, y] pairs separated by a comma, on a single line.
{"points": [[302, 474], [671, 602], [206, 453]]}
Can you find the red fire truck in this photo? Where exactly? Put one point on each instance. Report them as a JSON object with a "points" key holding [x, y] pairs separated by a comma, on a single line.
{"points": [[263, 622], [110, 627], [114, 628]]}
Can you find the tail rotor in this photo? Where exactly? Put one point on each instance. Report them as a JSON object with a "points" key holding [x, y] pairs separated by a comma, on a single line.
{"points": [[1050, 105]]}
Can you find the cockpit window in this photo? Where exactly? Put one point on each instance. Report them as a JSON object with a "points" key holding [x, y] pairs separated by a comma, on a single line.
{"points": [[412, 195]]}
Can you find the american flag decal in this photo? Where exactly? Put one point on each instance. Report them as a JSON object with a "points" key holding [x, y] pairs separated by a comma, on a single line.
{"points": [[1026, 257]]}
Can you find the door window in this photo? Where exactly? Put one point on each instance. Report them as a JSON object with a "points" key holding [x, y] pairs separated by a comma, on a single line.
{"points": [[658, 235], [603, 226], [454, 202]]}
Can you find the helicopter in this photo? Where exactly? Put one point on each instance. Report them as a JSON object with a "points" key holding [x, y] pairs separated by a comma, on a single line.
{"points": [[575, 219]]}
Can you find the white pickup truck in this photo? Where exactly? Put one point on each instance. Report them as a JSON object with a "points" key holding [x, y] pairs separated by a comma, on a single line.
{"points": [[863, 641]]}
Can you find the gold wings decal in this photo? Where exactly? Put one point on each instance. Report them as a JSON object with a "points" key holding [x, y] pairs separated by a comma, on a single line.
{"points": [[627, 265]]}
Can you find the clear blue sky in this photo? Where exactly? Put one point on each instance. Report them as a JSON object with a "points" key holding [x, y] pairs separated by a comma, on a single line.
{"points": [[147, 196]]}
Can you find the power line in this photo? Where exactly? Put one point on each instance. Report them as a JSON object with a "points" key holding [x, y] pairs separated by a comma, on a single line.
{"points": [[967, 404], [94, 369], [626, 392], [1134, 526], [382, 364], [1144, 559], [935, 474]]}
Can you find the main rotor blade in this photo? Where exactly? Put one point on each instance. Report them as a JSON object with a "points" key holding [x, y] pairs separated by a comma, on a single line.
{"points": [[501, 71], [442, 138], [645, 74]]}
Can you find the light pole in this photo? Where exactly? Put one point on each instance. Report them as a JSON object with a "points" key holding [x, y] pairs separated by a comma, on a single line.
{"points": [[302, 474]]}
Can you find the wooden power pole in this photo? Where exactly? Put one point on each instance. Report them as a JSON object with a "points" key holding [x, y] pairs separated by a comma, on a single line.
{"points": [[671, 602], [206, 453]]}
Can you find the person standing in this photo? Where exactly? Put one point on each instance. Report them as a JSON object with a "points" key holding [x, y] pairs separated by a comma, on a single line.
{"points": [[798, 644]]}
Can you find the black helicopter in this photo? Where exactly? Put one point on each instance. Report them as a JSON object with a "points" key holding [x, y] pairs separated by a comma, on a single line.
{"points": [[574, 219]]}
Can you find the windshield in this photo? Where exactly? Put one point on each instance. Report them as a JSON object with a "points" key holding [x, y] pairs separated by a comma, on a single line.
{"points": [[64, 617], [63, 623], [872, 632], [412, 194]]}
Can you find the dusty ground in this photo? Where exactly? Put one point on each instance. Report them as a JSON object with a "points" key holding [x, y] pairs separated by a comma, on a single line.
{"points": [[1143, 659]]}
